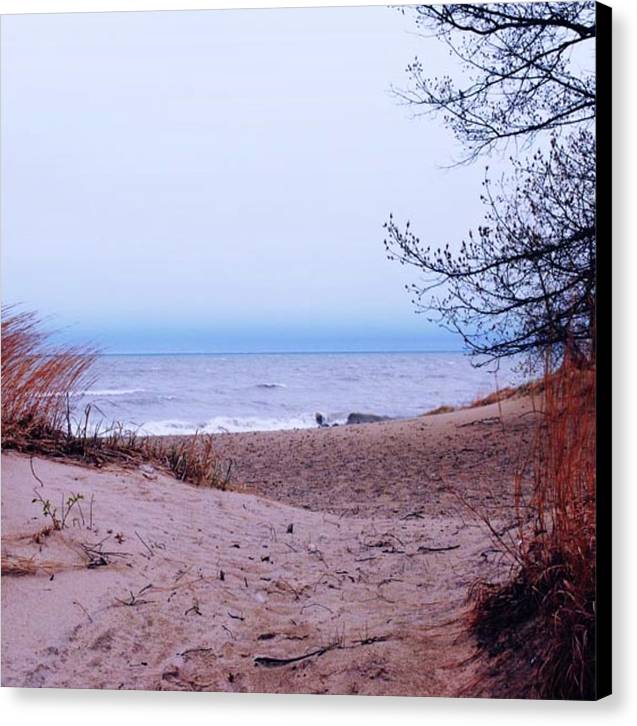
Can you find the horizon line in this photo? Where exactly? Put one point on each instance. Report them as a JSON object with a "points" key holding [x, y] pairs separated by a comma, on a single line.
{"points": [[281, 352]]}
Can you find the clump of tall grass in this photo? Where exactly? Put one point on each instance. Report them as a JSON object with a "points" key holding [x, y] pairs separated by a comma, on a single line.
{"points": [[38, 381], [36, 378], [543, 617], [194, 459]]}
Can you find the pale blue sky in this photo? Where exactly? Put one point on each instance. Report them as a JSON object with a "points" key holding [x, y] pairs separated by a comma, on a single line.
{"points": [[218, 180]]}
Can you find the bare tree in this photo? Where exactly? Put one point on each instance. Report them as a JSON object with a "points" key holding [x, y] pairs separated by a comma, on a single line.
{"points": [[519, 75], [525, 283]]}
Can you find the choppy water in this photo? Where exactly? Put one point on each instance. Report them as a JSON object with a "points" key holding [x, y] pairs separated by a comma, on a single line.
{"points": [[178, 394]]}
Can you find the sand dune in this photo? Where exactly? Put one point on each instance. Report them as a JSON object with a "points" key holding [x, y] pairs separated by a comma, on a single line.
{"points": [[339, 564]]}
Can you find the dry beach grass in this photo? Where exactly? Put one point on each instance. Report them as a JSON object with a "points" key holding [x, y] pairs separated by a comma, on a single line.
{"points": [[543, 617]]}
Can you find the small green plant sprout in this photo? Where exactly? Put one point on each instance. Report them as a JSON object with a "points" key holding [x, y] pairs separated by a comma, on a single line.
{"points": [[48, 510], [59, 522]]}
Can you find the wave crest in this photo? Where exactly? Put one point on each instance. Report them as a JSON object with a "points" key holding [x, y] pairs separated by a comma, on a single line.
{"points": [[109, 391], [227, 424]]}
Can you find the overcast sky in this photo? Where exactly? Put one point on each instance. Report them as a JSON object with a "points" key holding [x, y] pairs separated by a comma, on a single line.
{"points": [[218, 180]]}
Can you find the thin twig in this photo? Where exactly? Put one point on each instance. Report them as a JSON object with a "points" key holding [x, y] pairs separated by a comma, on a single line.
{"points": [[37, 478], [152, 554]]}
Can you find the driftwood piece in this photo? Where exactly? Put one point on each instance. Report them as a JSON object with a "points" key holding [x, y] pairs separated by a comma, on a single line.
{"points": [[270, 662], [425, 550]]}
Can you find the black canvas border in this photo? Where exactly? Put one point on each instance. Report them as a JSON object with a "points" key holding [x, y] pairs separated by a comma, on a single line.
{"points": [[603, 343]]}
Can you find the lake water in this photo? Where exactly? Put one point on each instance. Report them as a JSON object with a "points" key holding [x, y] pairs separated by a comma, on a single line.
{"points": [[180, 394]]}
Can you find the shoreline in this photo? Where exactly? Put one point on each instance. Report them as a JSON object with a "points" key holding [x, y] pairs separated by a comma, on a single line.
{"points": [[218, 395]]}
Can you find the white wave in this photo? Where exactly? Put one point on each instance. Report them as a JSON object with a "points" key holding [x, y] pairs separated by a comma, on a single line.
{"points": [[109, 391], [227, 424], [168, 427]]}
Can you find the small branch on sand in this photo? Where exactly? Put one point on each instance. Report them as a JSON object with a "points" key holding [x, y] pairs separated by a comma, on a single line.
{"points": [[84, 610], [372, 639], [384, 540], [97, 556], [134, 599], [425, 550], [267, 636], [194, 608], [230, 633], [152, 554], [269, 662], [418, 514], [195, 650], [35, 476]]}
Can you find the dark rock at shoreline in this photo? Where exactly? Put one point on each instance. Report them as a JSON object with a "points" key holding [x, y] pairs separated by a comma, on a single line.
{"points": [[353, 418], [362, 418], [320, 420]]}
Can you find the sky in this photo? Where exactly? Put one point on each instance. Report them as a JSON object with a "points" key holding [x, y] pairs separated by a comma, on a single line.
{"points": [[218, 180]]}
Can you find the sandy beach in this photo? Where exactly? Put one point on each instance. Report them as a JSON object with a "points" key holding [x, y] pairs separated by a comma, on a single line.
{"points": [[338, 562]]}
